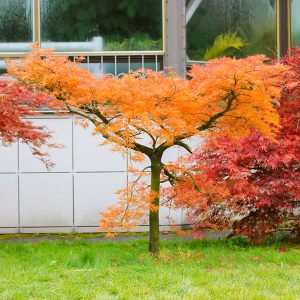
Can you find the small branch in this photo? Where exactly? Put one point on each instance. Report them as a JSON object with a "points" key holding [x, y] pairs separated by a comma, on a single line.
{"points": [[136, 180], [171, 178], [212, 120], [76, 112], [137, 147], [184, 145], [196, 186]]}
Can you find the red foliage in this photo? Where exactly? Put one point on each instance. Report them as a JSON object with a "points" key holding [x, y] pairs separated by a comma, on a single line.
{"points": [[252, 185], [16, 103], [282, 250]]}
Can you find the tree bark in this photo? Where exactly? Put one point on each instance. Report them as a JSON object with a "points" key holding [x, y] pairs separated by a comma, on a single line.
{"points": [[154, 215]]}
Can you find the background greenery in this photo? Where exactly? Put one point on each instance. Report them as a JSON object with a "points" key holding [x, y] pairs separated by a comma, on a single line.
{"points": [[125, 24], [15, 21], [253, 21], [295, 22]]}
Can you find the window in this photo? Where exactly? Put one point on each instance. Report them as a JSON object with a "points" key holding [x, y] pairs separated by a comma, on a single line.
{"points": [[295, 23], [106, 25], [230, 27], [81, 26], [15, 25]]}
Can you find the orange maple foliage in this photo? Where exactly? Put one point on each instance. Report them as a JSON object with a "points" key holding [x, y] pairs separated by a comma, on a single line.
{"points": [[148, 112]]}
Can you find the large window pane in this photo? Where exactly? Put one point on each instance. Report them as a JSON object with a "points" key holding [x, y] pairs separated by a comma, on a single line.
{"points": [[100, 25], [295, 22], [15, 25], [230, 27]]}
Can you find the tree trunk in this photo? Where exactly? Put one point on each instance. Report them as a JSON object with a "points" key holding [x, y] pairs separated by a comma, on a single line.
{"points": [[154, 215]]}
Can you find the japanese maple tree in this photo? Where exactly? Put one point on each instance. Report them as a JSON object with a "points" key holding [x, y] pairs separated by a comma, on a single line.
{"points": [[148, 112], [16, 103], [253, 185]]}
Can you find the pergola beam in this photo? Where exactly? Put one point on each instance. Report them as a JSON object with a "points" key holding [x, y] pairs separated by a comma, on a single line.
{"points": [[191, 8], [175, 52]]}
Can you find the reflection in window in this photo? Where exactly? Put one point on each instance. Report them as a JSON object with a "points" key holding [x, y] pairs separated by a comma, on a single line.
{"points": [[230, 27], [2, 67], [295, 22], [91, 25], [15, 25]]}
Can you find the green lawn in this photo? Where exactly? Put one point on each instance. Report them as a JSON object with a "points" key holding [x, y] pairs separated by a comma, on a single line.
{"points": [[186, 270]]}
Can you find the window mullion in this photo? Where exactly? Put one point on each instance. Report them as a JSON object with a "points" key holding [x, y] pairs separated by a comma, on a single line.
{"points": [[36, 21], [283, 27]]}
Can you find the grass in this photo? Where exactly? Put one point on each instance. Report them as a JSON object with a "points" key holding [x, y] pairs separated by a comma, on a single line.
{"points": [[197, 269]]}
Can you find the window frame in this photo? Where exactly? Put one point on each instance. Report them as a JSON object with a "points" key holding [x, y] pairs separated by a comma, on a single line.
{"points": [[283, 27]]}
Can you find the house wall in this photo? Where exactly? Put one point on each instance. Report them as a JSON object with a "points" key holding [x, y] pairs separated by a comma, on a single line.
{"points": [[69, 196]]}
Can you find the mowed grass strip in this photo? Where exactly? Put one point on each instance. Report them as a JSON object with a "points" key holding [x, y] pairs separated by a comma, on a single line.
{"points": [[198, 269]]}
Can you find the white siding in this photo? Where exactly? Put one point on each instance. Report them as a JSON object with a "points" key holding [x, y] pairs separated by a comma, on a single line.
{"points": [[69, 196]]}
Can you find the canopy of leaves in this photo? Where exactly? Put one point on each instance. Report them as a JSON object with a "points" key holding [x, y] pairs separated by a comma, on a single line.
{"points": [[253, 21], [230, 95], [252, 185]]}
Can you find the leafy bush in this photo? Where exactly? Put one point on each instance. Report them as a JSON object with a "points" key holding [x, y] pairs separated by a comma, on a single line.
{"points": [[250, 185], [222, 44]]}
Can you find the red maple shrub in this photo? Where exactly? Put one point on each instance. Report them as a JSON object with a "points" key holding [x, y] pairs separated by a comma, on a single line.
{"points": [[251, 186], [16, 103]]}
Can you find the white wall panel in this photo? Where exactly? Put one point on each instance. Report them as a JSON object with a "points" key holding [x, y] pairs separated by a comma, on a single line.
{"points": [[185, 219], [9, 158], [90, 156], [8, 200], [193, 143], [49, 229], [8, 230], [61, 157], [52, 201], [46, 200], [93, 193], [169, 216], [170, 155]]}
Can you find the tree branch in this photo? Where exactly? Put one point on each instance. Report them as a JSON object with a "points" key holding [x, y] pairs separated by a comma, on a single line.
{"points": [[184, 145], [137, 147], [220, 114]]}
